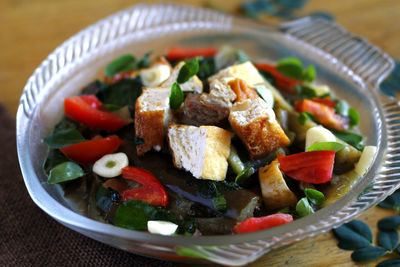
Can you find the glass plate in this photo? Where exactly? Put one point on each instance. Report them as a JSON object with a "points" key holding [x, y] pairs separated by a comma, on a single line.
{"points": [[347, 63]]}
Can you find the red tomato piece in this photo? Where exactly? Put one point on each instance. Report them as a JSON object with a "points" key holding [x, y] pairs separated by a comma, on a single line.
{"points": [[81, 109], [91, 100], [313, 167], [179, 52], [117, 77], [92, 150], [151, 190], [282, 82], [261, 223], [325, 114]]}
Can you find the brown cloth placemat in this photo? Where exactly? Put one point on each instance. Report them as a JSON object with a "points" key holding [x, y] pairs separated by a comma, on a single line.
{"points": [[29, 237]]}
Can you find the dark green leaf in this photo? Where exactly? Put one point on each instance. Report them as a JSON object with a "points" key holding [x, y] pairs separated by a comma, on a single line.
{"points": [[243, 176], [124, 63], [389, 223], [309, 74], [285, 210], [65, 172], [54, 158], [206, 67], [388, 239], [353, 235], [112, 107], [342, 108], [105, 197], [350, 138], [306, 91], [304, 116], [94, 88], [389, 263], [176, 97], [188, 70], [392, 201], [303, 207], [366, 190], [354, 117], [139, 140], [144, 61], [291, 67], [368, 253], [331, 146], [187, 226], [134, 214], [219, 203], [241, 56], [316, 197], [64, 138]]}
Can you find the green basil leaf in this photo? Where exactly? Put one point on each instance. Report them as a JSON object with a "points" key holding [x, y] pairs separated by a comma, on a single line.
{"points": [[303, 207], [144, 61], [331, 146], [265, 94], [350, 138], [389, 263], [64, 138], [354, 117], [304, 116], [306, 91], [176, 97], [316, 197], [105, 197], [392, 202], [388, 239], [353, 235], [206, 67], [112, 107], [54, 158], [63, 172], [219, 203], [342, 107], [389, 223], [309, 74], [124, 63], [291, 67], [368, 253], [188, 70], [244, 175]]}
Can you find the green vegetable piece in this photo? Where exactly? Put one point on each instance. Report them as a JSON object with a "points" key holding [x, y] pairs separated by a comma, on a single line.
{"points": [[309, 74], [187, 226], [242, 177], [350, 138], [285, 210], [389, 223], [389, 263], [305, 91], [342, 108], [266, 94], [353, 235], [303, 207], [314, 196], [206, 67], [234, 161], [354, 117], [105, 197], [176, 97], [388, 239], [188, 70], [124, 63], [241, 56], [144, 61], [55, 158], [191, 253], [304, 116], [63, 172], [219, 203], [368, 253], [64, 138], [291, 67], [122, 93], [392, 201], [331, 146], [112, 107]]}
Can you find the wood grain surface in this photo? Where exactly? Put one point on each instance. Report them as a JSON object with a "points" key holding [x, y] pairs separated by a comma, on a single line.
{"points": [[30, 30]]}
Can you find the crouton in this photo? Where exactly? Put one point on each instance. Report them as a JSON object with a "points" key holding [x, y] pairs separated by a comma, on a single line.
{"points": [[152, 115], [194, 84], [255, 124], [203, 150], [276, 194]]}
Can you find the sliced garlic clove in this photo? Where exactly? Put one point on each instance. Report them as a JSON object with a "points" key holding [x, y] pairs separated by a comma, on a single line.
{"points": [[155, 75], [318, 134], [365, 160], [110, 165], [161, 227]]}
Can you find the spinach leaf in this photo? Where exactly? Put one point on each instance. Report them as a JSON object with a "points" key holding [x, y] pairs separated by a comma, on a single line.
{"points": [[124, 63], [316, 197], [65, 172], [303, 207], [350, 138], [64, 138], [354, 235], [176, 97], [188, 70], [331, 146]]}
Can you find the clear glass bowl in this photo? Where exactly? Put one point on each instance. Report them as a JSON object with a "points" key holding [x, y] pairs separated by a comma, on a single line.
{"points": [[349, 64]]}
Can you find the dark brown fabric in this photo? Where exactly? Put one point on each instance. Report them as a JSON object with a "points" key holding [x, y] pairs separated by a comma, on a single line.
{"points": [[29, 237]]}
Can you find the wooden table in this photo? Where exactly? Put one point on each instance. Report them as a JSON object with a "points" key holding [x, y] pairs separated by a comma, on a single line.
{"points": [[30, 30]]}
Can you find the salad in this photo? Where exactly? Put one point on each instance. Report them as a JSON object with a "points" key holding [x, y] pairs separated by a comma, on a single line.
{"points": [[205, 141]]}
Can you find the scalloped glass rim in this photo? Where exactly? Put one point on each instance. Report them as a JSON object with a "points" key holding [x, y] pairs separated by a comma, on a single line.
{"points": [[320, 40]]}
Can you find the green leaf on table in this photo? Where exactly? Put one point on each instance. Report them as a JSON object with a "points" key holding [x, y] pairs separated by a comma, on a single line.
{"points": [[124, 63], [314, 196], [392, 201], [368, 253], [353, 235], [176, 97], [389, 263], [350, 138], [304, 116], [389, 223], [188, 70], [303, 207], [64, 138], [305, 91], [388, 239], [63, 172], [354, 117], [331, 146], [242, 177]]}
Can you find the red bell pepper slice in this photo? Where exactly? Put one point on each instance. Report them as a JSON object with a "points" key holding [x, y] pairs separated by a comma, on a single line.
{"points": [[325, 101], [282, 82], [256, 224], [179, 52], [85, 109], [325, 114], [313, 167], [151, 190], [92, 150]]}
